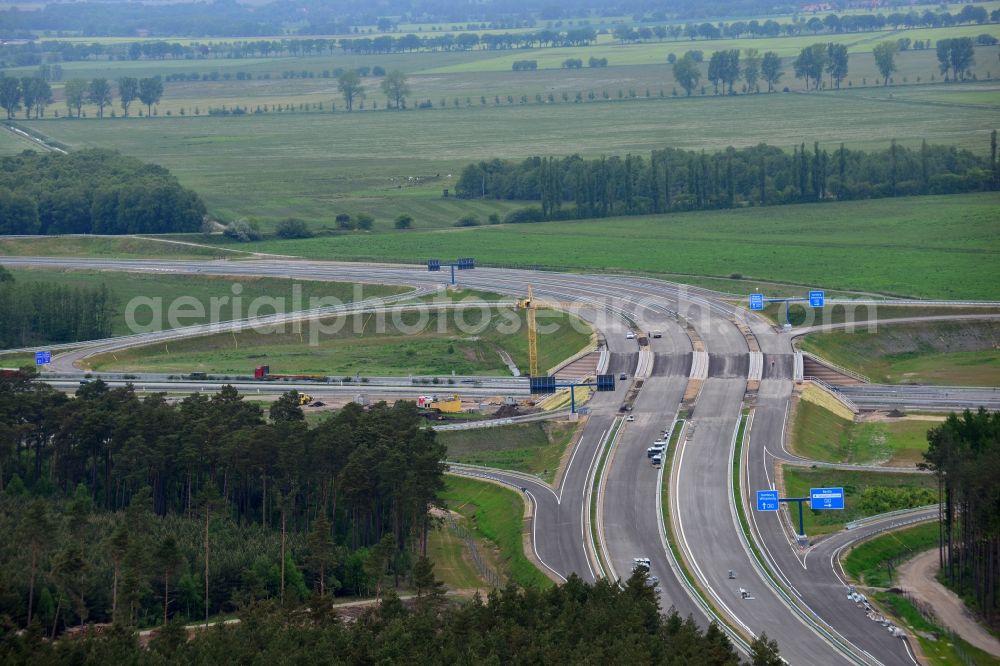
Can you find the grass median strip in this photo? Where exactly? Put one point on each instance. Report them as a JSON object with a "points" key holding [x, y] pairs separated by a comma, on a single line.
{"points": [[397, 344], [873, 562], [820, 434], [595, 530], [940, 646], [533, 448], [941, 352], [236, 296], [865, 494], [496, 514]]}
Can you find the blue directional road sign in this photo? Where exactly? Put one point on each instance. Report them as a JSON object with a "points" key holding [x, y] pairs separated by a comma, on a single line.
{"points": [[43, 357], [825, 499], [817, 299], [605, 383], [767, 500], [544, 384], [756, 301]]}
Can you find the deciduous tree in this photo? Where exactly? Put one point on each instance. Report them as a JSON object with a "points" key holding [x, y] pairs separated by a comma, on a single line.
{"points": [[99, 94], [150, 92], [885, 59], [687, 73], [128, 91], [394, 87], [350, 86]]}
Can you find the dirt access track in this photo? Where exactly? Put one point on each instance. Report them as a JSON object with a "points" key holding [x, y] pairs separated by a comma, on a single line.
{"points": [[917, 578]]}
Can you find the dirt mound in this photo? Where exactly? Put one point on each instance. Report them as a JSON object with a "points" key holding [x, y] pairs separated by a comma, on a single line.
{"points": [[506, 412], [937, 337]]}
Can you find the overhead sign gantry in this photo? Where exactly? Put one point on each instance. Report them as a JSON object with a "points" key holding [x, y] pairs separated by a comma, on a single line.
{"points": [[820, 499], [464, 264], [548, 384], [816, 299]]}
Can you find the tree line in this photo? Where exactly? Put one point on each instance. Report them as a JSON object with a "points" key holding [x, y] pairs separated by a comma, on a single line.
{"points": [[92, 191], [582, 35], [35, 94], [342, 501], [38, 313], [672, 180], [574, 623], [964, 454]]}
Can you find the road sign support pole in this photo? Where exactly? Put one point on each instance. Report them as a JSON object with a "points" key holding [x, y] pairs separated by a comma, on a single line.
{"points": [[453, 274], [572, 400], [799, 501]]}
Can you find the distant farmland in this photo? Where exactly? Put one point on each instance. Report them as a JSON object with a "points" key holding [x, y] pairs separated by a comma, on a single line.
{"points": [[315, 165]]}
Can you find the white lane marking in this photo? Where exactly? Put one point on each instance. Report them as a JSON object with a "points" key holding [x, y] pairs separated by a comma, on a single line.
{"points": [[745, 472], [687, 546], [585, 505], [579, 446], [534, 536]]}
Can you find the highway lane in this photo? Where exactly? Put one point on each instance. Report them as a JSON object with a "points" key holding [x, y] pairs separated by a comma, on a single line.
{"points": [[902, 396], [630, 519], [778, 545]]}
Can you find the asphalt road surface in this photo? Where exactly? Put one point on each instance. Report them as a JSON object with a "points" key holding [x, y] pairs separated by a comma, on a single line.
{"points": [[807, 612]]}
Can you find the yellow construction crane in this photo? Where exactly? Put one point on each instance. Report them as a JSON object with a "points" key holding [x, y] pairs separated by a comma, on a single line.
{"points": [[528, 304]]}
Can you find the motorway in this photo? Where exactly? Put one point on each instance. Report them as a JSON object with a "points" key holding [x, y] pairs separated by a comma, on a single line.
{"points": [[725, 360]]}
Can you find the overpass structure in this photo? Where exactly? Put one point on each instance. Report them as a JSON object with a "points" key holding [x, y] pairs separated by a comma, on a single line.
{"points": [[713, 366]]}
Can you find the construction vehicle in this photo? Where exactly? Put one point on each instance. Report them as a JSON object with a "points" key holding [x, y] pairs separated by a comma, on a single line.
{"points": [[304, 399], [450, 405]]}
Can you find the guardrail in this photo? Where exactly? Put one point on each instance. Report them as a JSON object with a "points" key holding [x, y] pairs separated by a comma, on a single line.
{"points": [[861, 522], [837, 395], [833, 366], [496, 423]]}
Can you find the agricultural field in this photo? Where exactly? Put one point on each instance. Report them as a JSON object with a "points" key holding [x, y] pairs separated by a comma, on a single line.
{"points": [[318, 164], [451, 73], [656, 52], [858, 245], [407, 343], [11, 144], [819, 434], [496, 514], [865, 494], [105, 246], [267, 295], [535, 448], [940, 353]]}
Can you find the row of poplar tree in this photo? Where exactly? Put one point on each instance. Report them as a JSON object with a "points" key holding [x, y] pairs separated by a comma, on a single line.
{"points": [[681, 180], [42, 312]]}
